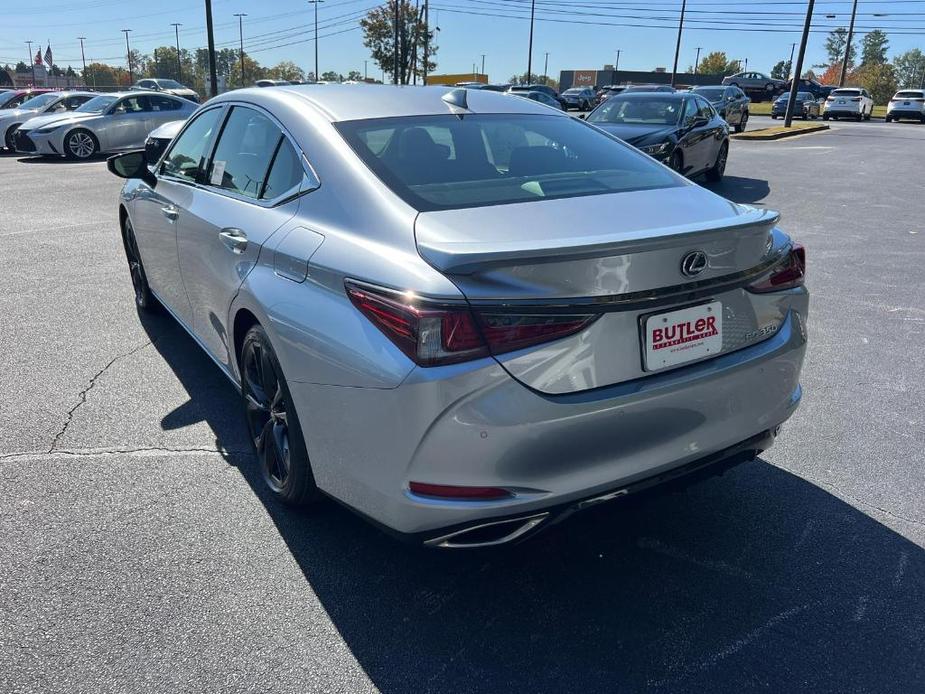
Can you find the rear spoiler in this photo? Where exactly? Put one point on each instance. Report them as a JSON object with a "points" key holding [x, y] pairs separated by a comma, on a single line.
{"points": [[465, 257]]}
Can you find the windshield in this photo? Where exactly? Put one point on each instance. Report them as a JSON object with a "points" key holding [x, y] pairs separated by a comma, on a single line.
{"points": [[97, 104], [573, 90], [40, 101], [636, 111], [450, 162], [711, 93], [846, 92], [170, 84]]}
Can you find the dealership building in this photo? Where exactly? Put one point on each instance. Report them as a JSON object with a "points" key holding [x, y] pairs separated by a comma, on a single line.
{"points": [[608, 76]]}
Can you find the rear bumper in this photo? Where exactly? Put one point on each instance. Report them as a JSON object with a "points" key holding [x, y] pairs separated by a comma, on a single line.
{"points": [[914, 113], [472, 424]]}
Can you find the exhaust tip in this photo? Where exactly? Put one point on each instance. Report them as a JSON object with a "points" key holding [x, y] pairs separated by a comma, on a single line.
{"points": [[488, 534]]}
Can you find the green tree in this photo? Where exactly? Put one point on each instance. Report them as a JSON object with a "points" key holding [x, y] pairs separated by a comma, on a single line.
{"points": [[835, 47], [879, 80], [781, 70], [354, 76], [716, 63], [286, 70], [874, 47], [331, 76], [379, 37], [909, 68], [22, 67]]}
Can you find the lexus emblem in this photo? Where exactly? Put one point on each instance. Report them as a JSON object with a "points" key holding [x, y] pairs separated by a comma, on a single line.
{"points": [[693, 263]]}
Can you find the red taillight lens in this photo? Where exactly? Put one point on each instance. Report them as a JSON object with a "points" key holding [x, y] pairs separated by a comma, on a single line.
{"points": [[855, 98], [788, 275], [433, 335], [446, 491]]}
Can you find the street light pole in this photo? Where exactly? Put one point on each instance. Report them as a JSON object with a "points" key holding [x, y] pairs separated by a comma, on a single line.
{"points": [[790, 64], [530, 48], [697, 59], [213, 78], [315, 3], [31, 61], [426, 42], [241, 16], [83, 58], [397, 16], [483, 63], [794, 83], [844, 65], [176, 28], [546, 69], [128, 55], [616, 65], [677, 48]]}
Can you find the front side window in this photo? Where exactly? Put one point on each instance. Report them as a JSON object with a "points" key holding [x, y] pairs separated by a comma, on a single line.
{"points": [[163, 103], [704, 110], [73, 102], [132, 104], [185, 158], [242, 156], [449, 162]]}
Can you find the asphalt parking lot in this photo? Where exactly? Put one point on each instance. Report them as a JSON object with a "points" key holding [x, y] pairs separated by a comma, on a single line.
{"points": [[139, 552]]}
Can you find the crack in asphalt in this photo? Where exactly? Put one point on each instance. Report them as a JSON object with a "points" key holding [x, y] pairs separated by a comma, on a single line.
{"points": [[82, 396], [100, 452]]}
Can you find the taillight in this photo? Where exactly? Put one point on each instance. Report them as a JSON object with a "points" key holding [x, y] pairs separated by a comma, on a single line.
{"points": [[787, 275], [432, 334], [855, 98]]}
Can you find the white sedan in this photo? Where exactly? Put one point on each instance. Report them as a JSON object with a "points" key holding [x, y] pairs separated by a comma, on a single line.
{"points": [[106, 123]]}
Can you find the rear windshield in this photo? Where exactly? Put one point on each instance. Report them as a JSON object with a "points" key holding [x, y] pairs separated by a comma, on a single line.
{"points": [[846, 92], [450, 162], [908, 95]]}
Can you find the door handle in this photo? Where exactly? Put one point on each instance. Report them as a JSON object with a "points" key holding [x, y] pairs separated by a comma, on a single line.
{"points": [[171, 212], [234, 239]]}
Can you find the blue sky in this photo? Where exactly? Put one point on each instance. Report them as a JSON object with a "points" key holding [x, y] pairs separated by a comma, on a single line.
{"points": [[580, 34]]}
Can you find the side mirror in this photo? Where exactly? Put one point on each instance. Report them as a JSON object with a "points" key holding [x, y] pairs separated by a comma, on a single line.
{"points": [[699, 121], [132, 165], [583, 116]]}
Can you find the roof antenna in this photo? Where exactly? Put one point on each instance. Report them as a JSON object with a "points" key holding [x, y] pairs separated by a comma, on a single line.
{"points": [[457, 98]]}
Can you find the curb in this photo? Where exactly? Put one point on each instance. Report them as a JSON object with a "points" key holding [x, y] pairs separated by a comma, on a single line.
{"points": [[761, 135]]}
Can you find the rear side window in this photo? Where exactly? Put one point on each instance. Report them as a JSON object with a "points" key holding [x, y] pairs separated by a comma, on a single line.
{"points": [[242, 157], [449, 162], [285, 172], [185, 159], [133, 104]]}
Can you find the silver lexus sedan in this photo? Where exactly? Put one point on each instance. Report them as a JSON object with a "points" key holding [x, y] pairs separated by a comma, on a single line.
{"points": [[45, 103], [427, 320], [106, 123]]}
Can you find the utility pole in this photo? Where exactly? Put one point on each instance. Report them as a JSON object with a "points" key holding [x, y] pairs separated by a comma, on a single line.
{"points": [[546, 69], [677, 48], [426, 41], [157, 67], [213, 78], [616, 65], [530, 48], [315, 3], [176, 28], [241, 16], [83, 58], [397, 18], [794, 84], [844, 65], [697, 59], [128, 55], [483, 63], [365, 63], [31, 61], [790, 64]]}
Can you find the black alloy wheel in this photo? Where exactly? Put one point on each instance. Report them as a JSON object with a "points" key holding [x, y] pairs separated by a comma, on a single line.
{"points": [[272, 422], [8, 138], [144, 299], [719, 168]]}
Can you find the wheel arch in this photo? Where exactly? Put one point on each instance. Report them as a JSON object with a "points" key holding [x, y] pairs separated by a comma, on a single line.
{"points": [[244, 319]]}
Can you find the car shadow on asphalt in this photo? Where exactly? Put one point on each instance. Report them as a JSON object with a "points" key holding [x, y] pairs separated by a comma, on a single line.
{"points": [[757, 580], [51, 159], [750, 191]]}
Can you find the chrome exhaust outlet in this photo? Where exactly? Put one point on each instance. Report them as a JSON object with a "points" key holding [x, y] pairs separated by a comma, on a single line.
{"points": [[488, 534]]}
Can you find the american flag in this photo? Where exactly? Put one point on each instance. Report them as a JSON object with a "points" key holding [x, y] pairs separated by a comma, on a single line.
{"points": [[48, 60]]}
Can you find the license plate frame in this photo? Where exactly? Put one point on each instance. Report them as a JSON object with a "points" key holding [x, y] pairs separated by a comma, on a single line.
{"points": [[688, 341]]}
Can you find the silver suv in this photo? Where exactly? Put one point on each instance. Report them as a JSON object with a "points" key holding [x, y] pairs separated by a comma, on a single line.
{"points": [[906, 103]]}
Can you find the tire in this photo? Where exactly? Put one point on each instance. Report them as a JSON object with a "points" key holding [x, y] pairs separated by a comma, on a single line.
{"points": [[803, 116], [676, 162], [144, 299], [773, 117], [868, 115], [825, 116], [80, 145], [887, 119], [273, 424], [715, 173], [743, 122], [8, 137]]}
